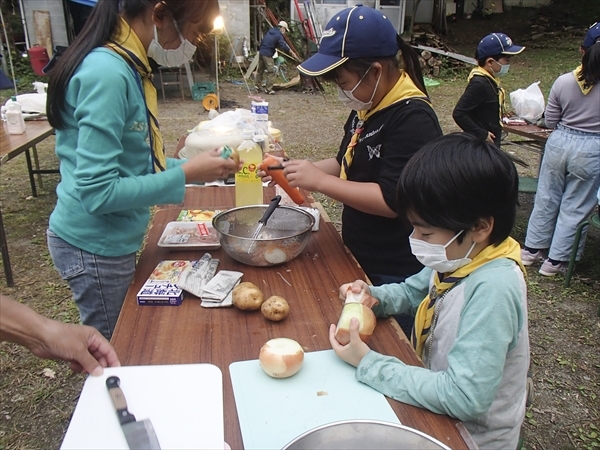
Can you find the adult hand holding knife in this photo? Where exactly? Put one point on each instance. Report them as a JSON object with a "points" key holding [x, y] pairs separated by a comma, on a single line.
{"points": [[140, 434]]}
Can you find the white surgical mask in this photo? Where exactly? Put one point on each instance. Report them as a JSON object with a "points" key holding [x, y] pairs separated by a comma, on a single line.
{"points": [[504, 68], [348, 99], [171, 57], [434, 255]]}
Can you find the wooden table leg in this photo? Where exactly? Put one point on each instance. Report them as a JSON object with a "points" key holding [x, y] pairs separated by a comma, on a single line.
{"points": [[5, 256], [30, 169]]}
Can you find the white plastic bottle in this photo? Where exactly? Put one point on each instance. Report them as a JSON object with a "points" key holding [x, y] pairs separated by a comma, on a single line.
{"points": [[248, 186], [14, 117]]}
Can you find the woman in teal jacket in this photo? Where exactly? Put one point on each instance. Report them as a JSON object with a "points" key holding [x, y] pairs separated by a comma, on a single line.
{"points": [[112, 161]]}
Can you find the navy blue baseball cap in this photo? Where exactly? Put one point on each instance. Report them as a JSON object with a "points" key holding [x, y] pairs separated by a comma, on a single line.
{"points": [[357, 32], [497, 44], [592, 35]]}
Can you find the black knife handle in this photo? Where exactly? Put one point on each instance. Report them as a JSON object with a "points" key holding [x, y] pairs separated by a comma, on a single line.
{"points": [[118, 399]]}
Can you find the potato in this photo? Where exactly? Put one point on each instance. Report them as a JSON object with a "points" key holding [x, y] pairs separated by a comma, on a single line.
{"points": [[275, 308], [247, 296]]}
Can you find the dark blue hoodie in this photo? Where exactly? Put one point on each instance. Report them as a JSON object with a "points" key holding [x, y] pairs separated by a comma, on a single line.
{"points": [[272, 40]]}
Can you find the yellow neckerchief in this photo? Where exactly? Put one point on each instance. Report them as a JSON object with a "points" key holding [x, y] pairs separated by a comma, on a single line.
{"points": [[577, 73], [509, 248], [480, 71], [126, 43], [403, 89]]}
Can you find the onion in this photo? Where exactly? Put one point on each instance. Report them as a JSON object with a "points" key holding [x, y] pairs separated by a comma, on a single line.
{"points": [[358, 305], [281, 357]]}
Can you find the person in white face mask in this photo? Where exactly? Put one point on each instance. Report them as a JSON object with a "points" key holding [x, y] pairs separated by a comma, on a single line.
{"points": [[460, 195], [390, 118], [480, 109], [103, 105]]}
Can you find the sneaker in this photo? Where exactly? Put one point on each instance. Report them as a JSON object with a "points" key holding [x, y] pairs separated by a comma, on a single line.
{"points": [[549, 269], [257, 87], [528, 258], [270, 92]]}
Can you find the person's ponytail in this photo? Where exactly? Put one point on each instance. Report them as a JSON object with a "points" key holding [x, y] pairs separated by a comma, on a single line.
{"points": [[411, 63], [97, 30], [590, 64]]}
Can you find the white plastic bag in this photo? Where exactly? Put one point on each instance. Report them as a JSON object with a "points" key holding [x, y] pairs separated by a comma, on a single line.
{"points": [[528, 103]]}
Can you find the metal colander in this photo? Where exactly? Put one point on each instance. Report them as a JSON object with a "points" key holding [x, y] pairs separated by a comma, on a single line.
{"points": [[282, 238]]}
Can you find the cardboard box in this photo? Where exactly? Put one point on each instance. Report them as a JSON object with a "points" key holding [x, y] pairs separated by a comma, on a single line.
{"points": [[161, 288], [160, 292]]}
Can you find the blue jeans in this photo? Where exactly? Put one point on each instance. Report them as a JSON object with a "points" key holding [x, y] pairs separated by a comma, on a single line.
{"points": [[98, 283], [567, 192]]}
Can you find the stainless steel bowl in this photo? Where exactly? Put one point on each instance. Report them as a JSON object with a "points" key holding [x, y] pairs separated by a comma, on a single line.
{"points": [[364, 434], [282, 239]]}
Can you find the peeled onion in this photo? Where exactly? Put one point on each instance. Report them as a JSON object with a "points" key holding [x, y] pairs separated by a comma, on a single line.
{"points": [[281, 357], [358, 305]]}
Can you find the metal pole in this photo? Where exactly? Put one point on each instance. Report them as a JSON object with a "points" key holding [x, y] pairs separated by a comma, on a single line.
{"points": [[217, 72], [12, 69], [24, 22]]}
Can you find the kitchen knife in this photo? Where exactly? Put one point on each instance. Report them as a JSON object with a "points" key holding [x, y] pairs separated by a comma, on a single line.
{"points": [[139, 434]]}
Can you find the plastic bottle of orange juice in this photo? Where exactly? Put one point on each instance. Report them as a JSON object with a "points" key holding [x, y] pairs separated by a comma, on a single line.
{"points": [[248, 186]]}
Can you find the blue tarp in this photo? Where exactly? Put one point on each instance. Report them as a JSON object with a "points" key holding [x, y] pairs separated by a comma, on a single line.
{"points": [[5, 82], [91, 3]]}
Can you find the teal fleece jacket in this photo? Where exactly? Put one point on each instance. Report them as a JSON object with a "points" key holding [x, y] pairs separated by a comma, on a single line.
{"points": [[107, 185], [476, 357]]}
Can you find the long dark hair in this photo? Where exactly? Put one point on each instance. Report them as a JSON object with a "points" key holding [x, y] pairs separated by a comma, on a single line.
{"points": [[410, 62], [99, 27], [590, 65]]}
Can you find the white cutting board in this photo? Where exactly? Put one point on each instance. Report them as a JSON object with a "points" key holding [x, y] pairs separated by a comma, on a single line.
{"points": [[184, 403], [273, 411]]}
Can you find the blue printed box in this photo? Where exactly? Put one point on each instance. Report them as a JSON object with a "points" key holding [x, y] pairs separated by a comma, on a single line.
{"points": [[160, 292]]}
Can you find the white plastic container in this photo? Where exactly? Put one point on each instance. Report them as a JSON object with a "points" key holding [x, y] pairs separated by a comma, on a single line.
{"points": [[14, 117]]}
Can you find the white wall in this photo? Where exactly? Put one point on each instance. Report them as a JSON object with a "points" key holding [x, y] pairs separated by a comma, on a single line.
{"points": [[57, 20], [236, 16]]}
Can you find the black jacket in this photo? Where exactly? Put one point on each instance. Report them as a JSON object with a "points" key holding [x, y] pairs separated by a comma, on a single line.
{"points": [[478, 110], [389, 139]]}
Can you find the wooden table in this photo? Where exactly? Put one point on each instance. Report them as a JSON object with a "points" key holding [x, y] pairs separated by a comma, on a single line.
{"points": [[12, 145], [535, 142], [192, 334]]}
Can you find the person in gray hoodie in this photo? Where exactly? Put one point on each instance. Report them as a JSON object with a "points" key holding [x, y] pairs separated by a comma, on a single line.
{"points": [[570, 172]]}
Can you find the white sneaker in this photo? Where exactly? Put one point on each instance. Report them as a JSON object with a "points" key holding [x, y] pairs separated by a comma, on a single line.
{"points": [[528, 258], [549, 270]]}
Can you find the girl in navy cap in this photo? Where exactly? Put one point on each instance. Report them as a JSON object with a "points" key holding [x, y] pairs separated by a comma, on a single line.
{"points": [[570, 172], [479, 111], [391, 119]]}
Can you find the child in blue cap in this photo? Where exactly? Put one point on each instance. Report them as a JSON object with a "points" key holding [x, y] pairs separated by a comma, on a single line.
{"points": [[570, 172], [390, 119], [479, 111]]}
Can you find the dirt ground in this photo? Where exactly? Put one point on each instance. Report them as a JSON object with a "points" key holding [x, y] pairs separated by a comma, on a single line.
{"points": [[37, 397]]}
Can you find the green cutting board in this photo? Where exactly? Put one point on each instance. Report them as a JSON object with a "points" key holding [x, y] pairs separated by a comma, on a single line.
{"points": [[273, 411]]}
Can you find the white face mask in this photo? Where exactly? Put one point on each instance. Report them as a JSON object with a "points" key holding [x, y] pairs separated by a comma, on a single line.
{"points": [[348, 99], [503, 69], [171, 57], [434, 255]]}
